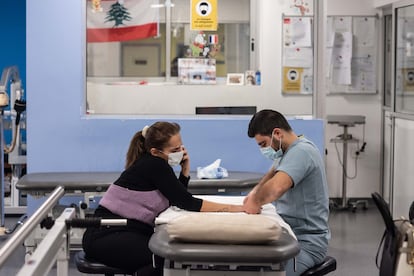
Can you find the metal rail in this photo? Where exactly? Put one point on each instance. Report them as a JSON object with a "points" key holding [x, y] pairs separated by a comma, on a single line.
{"points": [[53, 249], [17, 238]]}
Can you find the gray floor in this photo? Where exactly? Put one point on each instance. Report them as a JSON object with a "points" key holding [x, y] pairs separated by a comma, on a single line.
{"points": [[355, 240], [354, 243]]}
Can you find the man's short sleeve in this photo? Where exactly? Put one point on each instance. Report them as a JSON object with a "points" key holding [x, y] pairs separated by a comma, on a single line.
{"points": [[296, 163]]}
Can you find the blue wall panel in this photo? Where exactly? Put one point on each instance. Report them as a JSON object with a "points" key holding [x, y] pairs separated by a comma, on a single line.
{"points": [[61, 139]]}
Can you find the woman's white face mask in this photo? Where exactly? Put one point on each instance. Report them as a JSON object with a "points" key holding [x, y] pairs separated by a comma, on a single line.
{"points": [[175, 158]]}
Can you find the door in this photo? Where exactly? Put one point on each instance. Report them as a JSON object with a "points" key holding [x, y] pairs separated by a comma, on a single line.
{"points": [[141, 60]]}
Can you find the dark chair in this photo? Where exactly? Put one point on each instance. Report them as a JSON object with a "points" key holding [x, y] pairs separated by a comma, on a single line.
{"points": [[411, 212], [390, 240], [92, 267], [328, 265]]}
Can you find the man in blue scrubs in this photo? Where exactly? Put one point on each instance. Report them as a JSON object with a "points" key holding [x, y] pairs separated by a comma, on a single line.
{"points": [[296, 183]]}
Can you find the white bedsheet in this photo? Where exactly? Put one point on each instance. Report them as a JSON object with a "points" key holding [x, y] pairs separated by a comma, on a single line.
{"points": [[268, 210]]}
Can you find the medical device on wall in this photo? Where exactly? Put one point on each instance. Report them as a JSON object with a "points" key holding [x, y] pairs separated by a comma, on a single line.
{"points": [[345, 138], [12, 95], [11, 76]]}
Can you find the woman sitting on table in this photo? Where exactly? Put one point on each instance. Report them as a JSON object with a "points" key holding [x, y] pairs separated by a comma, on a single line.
{"points": [[146, 187]]}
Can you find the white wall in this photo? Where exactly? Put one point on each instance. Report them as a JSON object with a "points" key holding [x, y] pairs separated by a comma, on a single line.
{"points": [[368, 164], [351, 7], [382, 3]]}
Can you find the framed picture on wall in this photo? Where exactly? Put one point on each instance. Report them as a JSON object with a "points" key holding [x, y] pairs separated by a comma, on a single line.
{"points": [[235, 79], [250, 77]]}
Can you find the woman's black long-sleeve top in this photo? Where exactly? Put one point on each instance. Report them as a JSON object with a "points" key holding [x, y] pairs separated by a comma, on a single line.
{"points": [[147, 188]]}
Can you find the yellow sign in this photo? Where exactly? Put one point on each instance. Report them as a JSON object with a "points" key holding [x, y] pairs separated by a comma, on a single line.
{"points": [[204, 15], [292, 79]]}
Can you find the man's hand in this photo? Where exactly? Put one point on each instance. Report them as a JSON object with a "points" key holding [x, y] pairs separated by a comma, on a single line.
{"points": [[250, 205]]}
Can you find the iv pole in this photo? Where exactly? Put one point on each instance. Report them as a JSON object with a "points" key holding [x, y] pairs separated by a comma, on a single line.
{"points": [[345, 138]]}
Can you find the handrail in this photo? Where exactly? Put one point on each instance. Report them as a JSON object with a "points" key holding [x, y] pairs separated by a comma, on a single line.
{"points": [[53, 249], [18, 238]]}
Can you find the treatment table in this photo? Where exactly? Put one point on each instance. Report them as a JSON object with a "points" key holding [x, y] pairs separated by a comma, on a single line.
{"points": [[185, 258], [39, 184]]}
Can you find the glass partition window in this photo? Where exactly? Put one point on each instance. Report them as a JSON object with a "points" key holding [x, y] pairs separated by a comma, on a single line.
{"points": [[136, 49], [154, 59], [404, 76]]}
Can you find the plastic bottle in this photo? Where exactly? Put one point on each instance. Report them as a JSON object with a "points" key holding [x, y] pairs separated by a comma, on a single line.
{"points": [[258, 77]]}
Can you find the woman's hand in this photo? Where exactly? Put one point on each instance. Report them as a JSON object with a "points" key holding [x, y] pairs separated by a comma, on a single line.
{"points": [[210, 206], [185, 163]]}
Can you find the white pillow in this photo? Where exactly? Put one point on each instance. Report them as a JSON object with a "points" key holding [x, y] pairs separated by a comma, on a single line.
{"points": [[228, 228]]}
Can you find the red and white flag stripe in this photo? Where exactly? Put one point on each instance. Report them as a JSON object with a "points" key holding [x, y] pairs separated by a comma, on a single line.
{"points": [[142, 20]]}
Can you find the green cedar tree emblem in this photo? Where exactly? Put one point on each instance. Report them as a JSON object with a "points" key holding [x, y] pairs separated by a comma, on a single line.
{"points": [[118, 13]]}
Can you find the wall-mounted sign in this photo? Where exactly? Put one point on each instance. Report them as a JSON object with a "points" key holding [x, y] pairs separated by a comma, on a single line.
{"points": [[204, 15], [292, 79]]}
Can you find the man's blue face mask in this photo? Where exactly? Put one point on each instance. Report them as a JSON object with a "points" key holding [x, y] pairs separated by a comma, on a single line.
{"points": [[270, 153]]}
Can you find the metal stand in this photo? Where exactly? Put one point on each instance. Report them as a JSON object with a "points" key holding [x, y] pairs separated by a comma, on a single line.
{"points": [[17, 160], [346, 121]]}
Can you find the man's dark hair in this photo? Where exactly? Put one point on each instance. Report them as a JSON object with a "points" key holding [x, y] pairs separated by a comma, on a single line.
{"points": [[264, 121]]}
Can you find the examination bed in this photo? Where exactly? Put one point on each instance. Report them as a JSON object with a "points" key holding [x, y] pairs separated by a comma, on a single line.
{"points": [[38, 184], [198, 258]]}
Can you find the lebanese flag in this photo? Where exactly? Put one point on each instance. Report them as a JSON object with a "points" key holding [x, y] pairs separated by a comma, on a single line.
{"points": [[112, 20]]}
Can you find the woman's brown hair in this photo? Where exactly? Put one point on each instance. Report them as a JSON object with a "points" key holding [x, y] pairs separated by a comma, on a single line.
{"points": [[156, 136]]}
